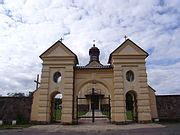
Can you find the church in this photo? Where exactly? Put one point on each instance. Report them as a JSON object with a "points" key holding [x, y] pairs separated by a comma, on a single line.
{"points": [[118, 90]]}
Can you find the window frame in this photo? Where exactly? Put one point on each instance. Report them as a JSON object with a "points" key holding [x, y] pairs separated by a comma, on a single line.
{"points": [[57, 77], [130, 76]]}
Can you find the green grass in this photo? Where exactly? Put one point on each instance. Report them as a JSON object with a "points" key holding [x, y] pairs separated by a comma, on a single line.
{"points": [[80, 113], [57, 114], [105, 113], [129, 115], [2, 127]]}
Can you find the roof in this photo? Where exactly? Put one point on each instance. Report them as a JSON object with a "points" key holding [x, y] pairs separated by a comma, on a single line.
{"points": [[151, 88], [178, 95], [99, 67], [94, 65], [123, 45], [50, 48]]}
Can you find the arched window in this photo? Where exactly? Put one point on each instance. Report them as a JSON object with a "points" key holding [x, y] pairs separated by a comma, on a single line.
{"points": [[130, 76], [57, 77]]}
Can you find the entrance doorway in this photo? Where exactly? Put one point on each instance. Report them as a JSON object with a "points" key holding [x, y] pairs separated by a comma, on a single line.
{"points": [[131, 106], [99, 106], [95, 102], [56, 107]]}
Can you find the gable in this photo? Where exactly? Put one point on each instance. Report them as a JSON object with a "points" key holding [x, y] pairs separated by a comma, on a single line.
{"points": [[128, 48], [93, 64], [58, 49], [150, 88]]}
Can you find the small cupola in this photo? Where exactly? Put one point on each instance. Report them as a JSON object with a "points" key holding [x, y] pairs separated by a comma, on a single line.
{"points": [[94, 54]]}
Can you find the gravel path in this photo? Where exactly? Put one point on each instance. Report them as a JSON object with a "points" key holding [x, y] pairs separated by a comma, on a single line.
{"points": [[94, 127], [98, 129]]}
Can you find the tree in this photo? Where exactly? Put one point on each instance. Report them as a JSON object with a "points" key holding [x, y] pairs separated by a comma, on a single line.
{"points": [[18, 94]]}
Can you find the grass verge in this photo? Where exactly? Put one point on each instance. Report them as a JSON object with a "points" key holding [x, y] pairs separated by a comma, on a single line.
{"points": [[3, 127]]}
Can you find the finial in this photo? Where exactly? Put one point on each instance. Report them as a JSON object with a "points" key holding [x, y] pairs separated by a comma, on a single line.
{"points": [[125, 37], [61, 39], [94, 43]]}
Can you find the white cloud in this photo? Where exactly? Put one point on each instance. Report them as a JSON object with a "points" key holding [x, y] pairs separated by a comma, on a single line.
{"points": [[165, 79], [29, 27]]}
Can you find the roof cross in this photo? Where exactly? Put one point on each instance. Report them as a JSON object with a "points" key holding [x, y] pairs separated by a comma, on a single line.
{"points": [[125, 37], [94, 43], [37, 82], [61, 39]]}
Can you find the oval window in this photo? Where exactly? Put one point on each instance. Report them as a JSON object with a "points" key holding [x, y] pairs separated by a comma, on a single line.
{"points": [[57, 77], [130, 76]]}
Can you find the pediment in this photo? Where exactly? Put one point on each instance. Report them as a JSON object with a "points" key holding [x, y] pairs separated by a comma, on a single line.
{"points": [[129, 48], [58, 49], [94, 64]]}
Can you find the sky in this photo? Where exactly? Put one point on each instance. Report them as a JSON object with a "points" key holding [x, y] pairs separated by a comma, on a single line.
{"points": [[29, 27]]}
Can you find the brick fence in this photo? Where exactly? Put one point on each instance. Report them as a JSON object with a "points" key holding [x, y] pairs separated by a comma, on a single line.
{"points": [[15, 108], [19, 108], [168, 107]]}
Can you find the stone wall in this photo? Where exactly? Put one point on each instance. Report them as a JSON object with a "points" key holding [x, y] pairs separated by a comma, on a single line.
{"points": [[15, 108], [19, 108], [168, 107]]}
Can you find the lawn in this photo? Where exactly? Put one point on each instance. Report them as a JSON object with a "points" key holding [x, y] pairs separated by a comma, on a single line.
{"points": [[14, 126], [105, 113], [129, 115], [57, 114], [81, 113]]}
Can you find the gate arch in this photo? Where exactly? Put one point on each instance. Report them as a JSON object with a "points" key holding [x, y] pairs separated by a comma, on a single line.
{"points": [[95, 98], [56, 106], [131, 106], [104, 83]]}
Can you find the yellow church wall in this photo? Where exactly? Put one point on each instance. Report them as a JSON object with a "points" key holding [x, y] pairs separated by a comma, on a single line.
{"points": [[93, 78], [140, 81], [56, 59], [42, 102], [108, 81], [154, 113]]}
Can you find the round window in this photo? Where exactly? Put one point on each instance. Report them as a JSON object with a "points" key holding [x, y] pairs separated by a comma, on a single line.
{"points": [[57, 77], [130, 76]]}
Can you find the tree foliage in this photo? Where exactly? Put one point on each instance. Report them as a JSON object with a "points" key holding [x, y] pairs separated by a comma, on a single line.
{"points": [[18, 94]]}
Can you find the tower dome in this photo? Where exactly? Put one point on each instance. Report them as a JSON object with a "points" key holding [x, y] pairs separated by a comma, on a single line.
{"points": [[94, 54]]}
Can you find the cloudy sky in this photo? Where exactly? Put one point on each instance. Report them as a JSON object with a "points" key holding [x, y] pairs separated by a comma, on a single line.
{"points": [[29, 27]]}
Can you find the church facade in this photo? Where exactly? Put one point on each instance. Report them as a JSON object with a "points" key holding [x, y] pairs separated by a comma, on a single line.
{"points": [[124, 80]]}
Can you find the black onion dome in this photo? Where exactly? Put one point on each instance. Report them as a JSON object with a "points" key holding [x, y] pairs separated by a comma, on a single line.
{"points": [[94, 53], [93, 50]]}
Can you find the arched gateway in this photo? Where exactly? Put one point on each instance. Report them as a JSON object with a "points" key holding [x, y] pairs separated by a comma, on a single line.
{"points": [[124, 80]]}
